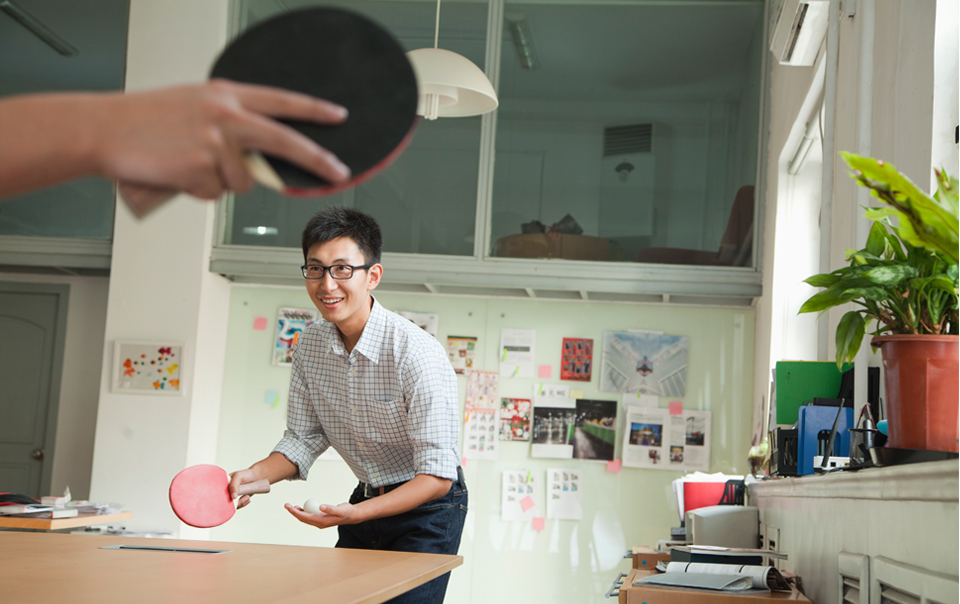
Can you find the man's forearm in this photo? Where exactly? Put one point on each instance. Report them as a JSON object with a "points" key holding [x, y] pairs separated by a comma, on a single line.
{"points": [[420, 490], [275, 467]]}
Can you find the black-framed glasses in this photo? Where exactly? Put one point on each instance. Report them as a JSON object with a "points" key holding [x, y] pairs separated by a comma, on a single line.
{"points": [[337, 271]]}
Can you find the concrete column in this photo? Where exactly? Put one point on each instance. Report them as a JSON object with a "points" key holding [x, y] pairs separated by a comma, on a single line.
{"points": [[161, 290]]}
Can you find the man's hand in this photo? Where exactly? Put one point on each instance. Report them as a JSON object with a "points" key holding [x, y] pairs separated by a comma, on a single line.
{"points": [[238, 478], [329, 516]]}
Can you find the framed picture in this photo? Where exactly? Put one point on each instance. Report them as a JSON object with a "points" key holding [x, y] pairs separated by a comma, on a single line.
{"points": [[147, 368]]}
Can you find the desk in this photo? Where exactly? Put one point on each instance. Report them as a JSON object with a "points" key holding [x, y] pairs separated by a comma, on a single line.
{"points": [[54, 524], [53, 567]]}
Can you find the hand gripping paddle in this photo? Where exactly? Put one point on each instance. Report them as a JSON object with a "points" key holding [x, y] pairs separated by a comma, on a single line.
{"points": [[200, 495], [340, 56]]}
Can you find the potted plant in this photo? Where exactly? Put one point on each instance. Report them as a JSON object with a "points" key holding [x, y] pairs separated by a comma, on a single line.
{"points": [[904, 280]]}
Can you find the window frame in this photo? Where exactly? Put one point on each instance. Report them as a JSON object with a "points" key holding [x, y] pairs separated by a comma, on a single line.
{"points": [[546, 278]]}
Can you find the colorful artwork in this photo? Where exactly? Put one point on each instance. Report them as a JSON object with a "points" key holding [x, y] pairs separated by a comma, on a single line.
{"points": [[290, 324], [577, 359], [462, 351], [515, 418], [147, 367]]}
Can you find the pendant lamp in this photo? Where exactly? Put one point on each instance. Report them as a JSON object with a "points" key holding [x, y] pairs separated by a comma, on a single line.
{"points": [[450, 85]]}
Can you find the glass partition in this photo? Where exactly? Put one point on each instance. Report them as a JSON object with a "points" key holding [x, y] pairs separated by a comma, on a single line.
{"points": [[97, 32], [426, 201], [627, 132]]}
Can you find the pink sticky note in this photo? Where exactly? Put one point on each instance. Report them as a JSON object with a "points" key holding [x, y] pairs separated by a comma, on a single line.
{"points": [[537, 524], [546, 371], [260, 323], [613, 466], [463, 462], [676, 408], [526, 503]]}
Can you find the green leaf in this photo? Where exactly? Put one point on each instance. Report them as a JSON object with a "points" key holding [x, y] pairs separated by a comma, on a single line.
{"points": [[877, 239], [849, 337], [924, 222], [890, 275], [824, 280], [878, 213], [822, 301], [877, 294]]}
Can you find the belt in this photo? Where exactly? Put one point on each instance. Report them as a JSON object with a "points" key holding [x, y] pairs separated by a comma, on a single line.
{"points": [[370, 491]]}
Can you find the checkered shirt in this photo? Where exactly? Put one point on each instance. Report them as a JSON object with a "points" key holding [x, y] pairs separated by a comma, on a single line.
{"points": [[389, 408]]}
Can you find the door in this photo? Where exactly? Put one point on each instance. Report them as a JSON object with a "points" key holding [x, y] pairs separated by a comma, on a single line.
{"points": [[32, 333]]}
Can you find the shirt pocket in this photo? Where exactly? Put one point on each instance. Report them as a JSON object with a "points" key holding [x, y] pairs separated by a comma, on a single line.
{"points": [[385, 421]]}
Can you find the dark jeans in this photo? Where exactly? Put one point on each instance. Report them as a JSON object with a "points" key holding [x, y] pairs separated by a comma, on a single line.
{"points": [[432, 528]]}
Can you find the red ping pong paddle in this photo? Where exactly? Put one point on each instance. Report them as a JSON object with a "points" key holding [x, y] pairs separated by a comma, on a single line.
{"points": [[200, 495], [340, 56]]}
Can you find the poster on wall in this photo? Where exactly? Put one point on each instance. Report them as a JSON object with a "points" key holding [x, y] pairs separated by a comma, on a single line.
{"points": [[481, 418], [462, 351], [576, 361], [644, 362], [428, 322], [563, 494], [553, 421], [595, 430], [517, 352], [147, 367], [655, 439], [515, 418], [518, 496], [290, 324]]}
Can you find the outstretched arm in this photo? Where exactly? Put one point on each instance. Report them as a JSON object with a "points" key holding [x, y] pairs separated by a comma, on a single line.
{"points": [[274, 468], [187, 139], [421, 489]]}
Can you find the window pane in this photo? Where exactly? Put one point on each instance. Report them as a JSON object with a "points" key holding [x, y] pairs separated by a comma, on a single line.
{"points": [[98, 30], [629, 131], [426, 201]]}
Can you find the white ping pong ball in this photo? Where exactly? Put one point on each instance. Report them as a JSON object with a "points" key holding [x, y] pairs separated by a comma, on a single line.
{"points": [[311, 506]]}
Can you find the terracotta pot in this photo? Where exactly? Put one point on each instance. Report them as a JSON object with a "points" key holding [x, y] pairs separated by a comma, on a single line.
{"points": [[920, 374]]}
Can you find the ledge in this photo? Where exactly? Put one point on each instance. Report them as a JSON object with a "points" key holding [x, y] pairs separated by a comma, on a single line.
{"points": [[930, 481]]}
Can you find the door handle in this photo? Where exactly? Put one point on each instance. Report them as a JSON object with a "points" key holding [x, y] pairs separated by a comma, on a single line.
{"points": [[37, 454]]}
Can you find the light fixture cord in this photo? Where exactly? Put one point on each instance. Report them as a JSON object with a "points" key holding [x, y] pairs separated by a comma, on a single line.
{"points": [[436, 32]]}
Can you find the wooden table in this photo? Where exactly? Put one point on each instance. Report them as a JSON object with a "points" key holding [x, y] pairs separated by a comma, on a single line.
{"points": [[55, 567], [48, 524]]}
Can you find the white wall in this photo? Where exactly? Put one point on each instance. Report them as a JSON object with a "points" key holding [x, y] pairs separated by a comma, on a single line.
{"points": [[161, 290], [79, 381], [898, 96]]}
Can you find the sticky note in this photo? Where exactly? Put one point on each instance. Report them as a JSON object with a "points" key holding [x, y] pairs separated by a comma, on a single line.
{"points": [[463, 462], [526, 503], [271, 397], [676, 408], [613, 466], [260, 323], [537, 524], [577, 394], [546, 371]]}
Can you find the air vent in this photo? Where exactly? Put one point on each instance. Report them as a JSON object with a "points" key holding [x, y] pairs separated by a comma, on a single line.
{"points": [[892, 595], [851, 590], [631, 138]]}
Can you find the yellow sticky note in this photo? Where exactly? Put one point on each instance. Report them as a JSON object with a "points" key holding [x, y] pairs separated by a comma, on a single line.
{"points": [[578, 394]]}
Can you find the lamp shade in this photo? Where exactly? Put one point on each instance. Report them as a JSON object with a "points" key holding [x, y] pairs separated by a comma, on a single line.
{"points": [[450, 85]]}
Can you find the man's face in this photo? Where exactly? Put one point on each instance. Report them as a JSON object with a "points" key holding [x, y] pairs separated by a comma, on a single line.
{"points": [[344, 302]]}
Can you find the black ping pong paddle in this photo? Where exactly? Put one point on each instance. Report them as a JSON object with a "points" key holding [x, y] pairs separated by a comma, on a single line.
{"points": [[340, 56]]}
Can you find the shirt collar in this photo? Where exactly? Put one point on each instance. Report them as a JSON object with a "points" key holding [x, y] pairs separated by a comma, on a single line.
{"points": [[370, 340]]}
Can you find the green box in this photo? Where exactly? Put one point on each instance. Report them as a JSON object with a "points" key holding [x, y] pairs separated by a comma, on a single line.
{"points": [[800, 381]]}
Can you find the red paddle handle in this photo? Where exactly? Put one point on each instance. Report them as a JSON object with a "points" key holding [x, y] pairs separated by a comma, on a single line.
{"points": [[251, 488]]}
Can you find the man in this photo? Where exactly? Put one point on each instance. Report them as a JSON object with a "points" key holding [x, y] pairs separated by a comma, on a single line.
{"points": [[380, 391]]}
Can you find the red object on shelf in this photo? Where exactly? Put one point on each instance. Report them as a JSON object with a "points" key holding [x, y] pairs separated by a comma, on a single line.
{"points": [[701, 494]]}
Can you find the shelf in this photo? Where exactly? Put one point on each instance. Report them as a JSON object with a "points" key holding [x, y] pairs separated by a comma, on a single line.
{"points": [[54, 524]]}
